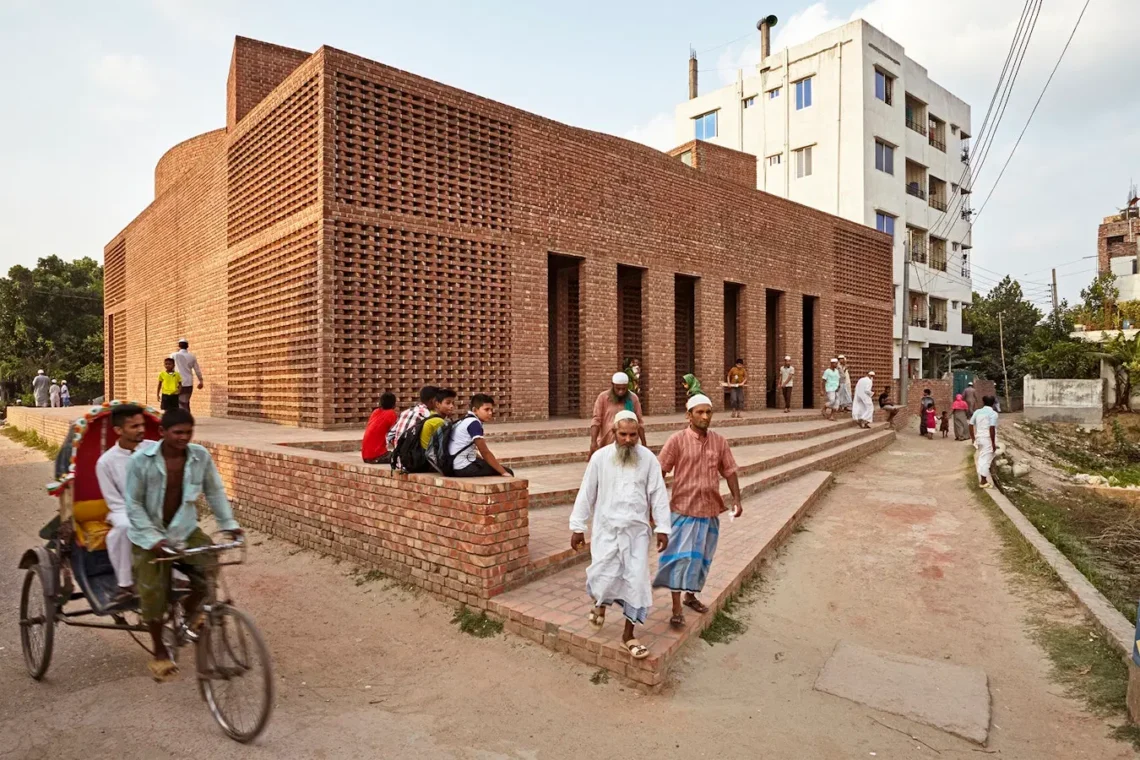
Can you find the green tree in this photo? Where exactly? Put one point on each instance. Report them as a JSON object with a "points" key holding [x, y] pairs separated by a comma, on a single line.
{"points": [[1019, 320], [51, 318], [1123, 355]]}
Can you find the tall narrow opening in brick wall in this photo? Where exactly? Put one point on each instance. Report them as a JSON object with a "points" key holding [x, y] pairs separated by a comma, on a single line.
{"points": [[563, 335], [685, 336], [809, 369], [733, 330], [774, 341], [630, 289], [110, 363]]}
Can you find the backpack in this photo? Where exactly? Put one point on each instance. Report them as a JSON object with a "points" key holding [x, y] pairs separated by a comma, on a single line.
{"points": [[438, 447], [409, 455]]}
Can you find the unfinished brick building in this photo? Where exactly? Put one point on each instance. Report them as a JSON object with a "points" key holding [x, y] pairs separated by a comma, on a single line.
{"points": [[355, 229]]}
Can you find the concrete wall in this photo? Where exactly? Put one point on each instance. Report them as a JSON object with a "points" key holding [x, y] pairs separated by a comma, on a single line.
{"points": [[1079, 401]]}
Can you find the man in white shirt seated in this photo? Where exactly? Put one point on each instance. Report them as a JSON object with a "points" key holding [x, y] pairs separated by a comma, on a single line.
{"points": [[467, 440], [111, 470]]}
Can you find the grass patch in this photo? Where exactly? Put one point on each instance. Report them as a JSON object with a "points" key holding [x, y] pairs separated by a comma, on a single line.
{"points": [[1087, 666], [371, 576], [477, 624], [31, 439], [601, 676], [725, 625]]}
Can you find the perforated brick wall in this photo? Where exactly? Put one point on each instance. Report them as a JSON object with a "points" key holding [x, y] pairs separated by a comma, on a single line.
{"points": [[863, 317], [115, 274]]}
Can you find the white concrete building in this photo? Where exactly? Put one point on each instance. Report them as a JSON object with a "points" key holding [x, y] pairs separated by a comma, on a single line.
{"points": [[848, 124]]}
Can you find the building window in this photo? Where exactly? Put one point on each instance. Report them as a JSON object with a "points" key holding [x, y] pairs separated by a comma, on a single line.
{"points": [[775, 160], [773, 94], [885, 223], [749, 101], [884, 157], [687, 158], [705, 126], [803, 93], [884, 87], [803, 162]]}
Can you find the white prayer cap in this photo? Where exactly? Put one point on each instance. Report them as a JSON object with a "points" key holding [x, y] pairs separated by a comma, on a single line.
{"points": [[835, 361], [39, 371], [698, 400], [970, 383], [183, 340], [841, 356], [620, 378], [787, 358], [624, 415], [871, 373]]}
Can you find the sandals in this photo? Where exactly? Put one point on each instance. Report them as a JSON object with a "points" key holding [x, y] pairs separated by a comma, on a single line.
{"points": [[596, 620], [636, 649], [677, 621], [695, 604], [162, 670]]}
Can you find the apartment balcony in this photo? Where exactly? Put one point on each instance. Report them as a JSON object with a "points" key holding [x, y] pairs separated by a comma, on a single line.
{"points": [[936, 143], [918, 321], [917, 126], [915, 189], [938, 326], [919, 255], [937, 203]]}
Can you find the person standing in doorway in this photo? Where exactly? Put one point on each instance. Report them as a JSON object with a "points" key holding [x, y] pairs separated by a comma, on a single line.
{"points": [[831, 380], [845, 398], [970, 396], [64, 394], [53, 394], [698, 459], [40, 385], [624, 493], [787, 381], [691, 385], [186, 364], [606, 407], [737, 379], [633, 372]]}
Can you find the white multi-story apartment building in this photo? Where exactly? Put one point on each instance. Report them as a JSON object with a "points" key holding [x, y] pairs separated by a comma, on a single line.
{"points": [[848, 124]]}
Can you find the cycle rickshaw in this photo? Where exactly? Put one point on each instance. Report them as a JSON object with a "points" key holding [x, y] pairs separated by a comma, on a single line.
{"points": [[232, 664]]}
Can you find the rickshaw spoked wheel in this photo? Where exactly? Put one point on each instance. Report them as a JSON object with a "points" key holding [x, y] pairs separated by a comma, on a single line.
{"points": [[235, 673], [37, 622]]}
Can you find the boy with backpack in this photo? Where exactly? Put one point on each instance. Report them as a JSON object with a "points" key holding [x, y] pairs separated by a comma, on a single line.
{"points": [[467, 441], [411, 451]]}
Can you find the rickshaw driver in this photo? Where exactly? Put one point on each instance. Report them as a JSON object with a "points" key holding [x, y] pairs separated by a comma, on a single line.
{"points": [[163, 486]]}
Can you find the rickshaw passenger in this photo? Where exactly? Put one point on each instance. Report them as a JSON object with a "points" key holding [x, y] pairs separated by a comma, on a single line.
{"points": [[111, 470], [163, 485]]}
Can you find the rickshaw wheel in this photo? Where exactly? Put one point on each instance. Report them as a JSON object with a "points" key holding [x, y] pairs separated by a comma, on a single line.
{"points": [[37, 623], [235, 673]]}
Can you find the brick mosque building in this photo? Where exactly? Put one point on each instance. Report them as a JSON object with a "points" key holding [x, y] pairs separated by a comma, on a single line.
{"points": [[355, 229]]}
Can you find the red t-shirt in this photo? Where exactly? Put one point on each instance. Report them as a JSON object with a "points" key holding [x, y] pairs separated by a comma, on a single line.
{"points": [[375, 444]]}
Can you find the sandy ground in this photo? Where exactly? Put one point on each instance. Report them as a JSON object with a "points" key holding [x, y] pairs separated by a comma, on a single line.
{"points": [[893, 558]]}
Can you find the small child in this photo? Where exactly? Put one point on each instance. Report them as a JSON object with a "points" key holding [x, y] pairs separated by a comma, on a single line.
{"points": [[945, 426], [169, 385], [931, 420]]}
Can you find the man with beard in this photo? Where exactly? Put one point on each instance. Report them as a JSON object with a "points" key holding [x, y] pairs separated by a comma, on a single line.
{"points": [[698, 458], [608, 404], [622, 488]]}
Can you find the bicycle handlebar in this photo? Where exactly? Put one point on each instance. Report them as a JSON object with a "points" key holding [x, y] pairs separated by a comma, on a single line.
{"points": [[173, 555]]}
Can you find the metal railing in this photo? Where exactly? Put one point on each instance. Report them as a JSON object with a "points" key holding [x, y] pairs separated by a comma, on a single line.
{"points": [[918, 254], [936, 143], [918, 321], [915, 189], [917, 126], [939, 326], [937, 203]]}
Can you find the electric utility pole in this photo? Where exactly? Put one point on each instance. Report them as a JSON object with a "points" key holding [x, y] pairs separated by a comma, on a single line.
{"points": [[1004, 371], [1054, 291], [904, 348]]}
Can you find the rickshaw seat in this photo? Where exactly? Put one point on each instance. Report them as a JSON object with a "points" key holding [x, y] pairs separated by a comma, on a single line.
{"points": [[95, 576], [91, 526]]}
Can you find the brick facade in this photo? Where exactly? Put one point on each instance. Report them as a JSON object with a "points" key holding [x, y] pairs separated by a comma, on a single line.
{"points": [[1116, 236], [356, 229]]}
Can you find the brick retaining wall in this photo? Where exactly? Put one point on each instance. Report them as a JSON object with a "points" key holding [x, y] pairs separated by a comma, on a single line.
{"points": [[51, 428], [941, 390]]}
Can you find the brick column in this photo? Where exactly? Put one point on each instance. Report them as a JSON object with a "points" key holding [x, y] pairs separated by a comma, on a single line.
{"points": [[658, 365], [597, 310], [755, 344], [792, 339], [710, 338]]}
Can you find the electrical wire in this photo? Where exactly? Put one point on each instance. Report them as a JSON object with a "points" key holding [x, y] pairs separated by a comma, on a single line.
{"points": [[1031, 113]]}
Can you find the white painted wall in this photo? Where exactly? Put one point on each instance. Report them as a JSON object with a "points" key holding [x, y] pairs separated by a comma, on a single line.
{"points": [[841, 125], [1059, 400]]}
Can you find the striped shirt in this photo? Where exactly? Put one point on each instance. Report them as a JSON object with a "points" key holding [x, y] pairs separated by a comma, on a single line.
{"points": [[697, 464], [407, 420]]}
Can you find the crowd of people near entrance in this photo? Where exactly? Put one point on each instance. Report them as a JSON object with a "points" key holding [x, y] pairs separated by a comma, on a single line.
{"points": [[49, 392]]}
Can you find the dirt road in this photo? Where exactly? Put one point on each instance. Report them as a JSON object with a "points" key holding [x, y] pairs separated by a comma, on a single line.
{"points": [[896, 557]]}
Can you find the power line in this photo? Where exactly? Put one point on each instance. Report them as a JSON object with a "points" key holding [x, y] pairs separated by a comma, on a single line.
{"points": [[724, 44], [1023, 129]]}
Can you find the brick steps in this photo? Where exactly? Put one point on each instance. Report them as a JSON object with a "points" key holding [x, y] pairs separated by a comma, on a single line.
{"points": [[558, 484], [574, 428], [549, 535], [552, 610], [577, 449]]}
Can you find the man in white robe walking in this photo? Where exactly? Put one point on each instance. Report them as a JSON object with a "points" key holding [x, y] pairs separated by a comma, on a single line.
{"points": [[622, 489], [863, 406]]}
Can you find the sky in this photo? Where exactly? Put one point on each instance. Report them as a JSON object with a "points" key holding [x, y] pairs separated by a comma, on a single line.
{"points": [[104, 89]]}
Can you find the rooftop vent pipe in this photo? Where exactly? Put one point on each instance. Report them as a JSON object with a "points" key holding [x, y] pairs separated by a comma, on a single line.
{"points": [[692, 73], [765, 26]]}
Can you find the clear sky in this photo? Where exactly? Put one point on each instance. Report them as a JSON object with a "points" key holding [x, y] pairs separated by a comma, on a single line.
{"points": [[97, 92]]}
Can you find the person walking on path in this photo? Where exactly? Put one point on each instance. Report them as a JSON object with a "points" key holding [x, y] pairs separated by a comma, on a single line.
{"points": [[961, 410], [608, 404], [863, 404], [186, 364], [624, 491], [64, 394], [737, 379], [831, 379], [845, 398], [925, 410], [169, 386], [698, 459], [53, 393], [40, 385], [970, 396], [983, 432], [787, 381]]}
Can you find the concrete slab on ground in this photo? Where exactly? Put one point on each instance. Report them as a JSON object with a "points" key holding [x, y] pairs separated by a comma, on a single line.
{"points": [[954, 698]]}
